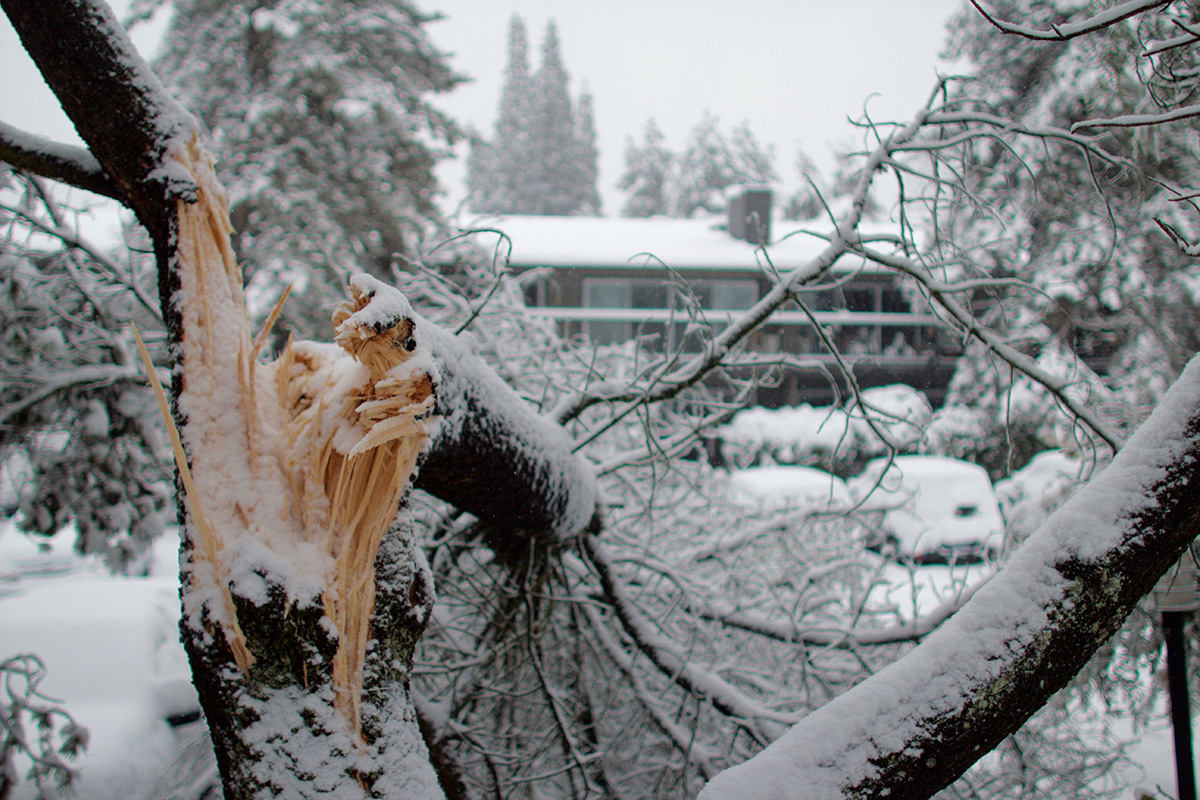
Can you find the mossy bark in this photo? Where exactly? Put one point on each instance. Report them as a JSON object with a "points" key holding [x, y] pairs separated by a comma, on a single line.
{"points": [[275, 729]]}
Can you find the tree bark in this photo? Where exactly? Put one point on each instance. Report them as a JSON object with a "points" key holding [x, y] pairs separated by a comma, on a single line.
{"points": [[495, 458]]}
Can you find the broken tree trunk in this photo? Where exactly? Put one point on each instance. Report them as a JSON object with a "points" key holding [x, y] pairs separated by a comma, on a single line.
{"points": [[303, 592], [294, 473]]}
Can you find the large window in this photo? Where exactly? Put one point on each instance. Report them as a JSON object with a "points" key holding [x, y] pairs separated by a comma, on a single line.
{"points": [[870, 337], [656, 312]]}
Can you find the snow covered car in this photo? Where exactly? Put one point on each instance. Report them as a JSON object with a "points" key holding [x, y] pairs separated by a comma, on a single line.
{"points": [[113, 661], [931, 510]]}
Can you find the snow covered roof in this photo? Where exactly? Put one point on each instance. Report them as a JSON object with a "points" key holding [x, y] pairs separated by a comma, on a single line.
{"points": [[682, 244]]}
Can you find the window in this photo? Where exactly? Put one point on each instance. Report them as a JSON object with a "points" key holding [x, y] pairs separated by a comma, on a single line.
{"points": [[662, 303]]}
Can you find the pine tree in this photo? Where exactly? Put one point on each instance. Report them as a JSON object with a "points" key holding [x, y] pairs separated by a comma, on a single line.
{"points": [[806, 202], [495, 171], [552, 185], [712, 163], [588, 154], [661, 182], [647, 176], [704, 170], [751, 161], [326, 141], [542, 159]]}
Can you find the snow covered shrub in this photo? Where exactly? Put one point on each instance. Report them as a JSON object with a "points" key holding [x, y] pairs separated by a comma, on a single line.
{"points": [[993, 418], [1032, 493], [840, 440]]}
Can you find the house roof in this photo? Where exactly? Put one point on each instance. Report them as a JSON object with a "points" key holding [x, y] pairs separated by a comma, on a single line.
{"points": [[681, 244]]}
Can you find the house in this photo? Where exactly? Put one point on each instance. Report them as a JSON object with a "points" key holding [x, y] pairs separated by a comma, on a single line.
{"points": [[614, 280]]}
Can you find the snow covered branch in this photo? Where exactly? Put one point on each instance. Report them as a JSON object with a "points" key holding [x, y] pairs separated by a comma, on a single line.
{"points": [[40, 156], [1060, 33], [1140, 120], [90, 64], [496, 458], [794, 631], [763, 723], [942, 295], [48, 384], [917, 725]]}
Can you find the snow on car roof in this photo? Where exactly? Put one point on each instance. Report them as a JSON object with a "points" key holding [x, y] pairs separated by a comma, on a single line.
{"points": [[940, 501]]}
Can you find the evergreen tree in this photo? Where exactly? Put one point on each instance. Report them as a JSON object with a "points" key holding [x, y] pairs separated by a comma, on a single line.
{"points": [[648, 175], [542, 159], [751, 161], [554, 170], [326, 140], [806, 202], [705, 170], [588, 154], [709, 165], [495, 173]]}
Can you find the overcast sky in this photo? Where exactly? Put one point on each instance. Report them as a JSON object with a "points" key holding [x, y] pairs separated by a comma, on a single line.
{"points": [[794, 69]]}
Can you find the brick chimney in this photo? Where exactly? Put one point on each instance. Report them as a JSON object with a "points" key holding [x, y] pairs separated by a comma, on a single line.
{"points": [[750, 214]]}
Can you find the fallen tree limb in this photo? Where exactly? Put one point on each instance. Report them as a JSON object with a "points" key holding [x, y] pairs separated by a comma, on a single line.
{"points": [[917, 725]]}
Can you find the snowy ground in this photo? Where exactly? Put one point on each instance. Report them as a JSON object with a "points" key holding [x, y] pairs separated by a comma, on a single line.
{"points": [[113, 658]]}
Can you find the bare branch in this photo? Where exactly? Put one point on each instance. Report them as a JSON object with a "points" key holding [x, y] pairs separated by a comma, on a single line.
{"points": [[793, 631], [761, 722], [1018, 360], [60, 381], [683, 739]]}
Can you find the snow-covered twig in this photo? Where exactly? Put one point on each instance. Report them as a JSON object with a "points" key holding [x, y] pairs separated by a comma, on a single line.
{"points": [[971, 325], [761, 722], [1139, 120], [1060, 33], [73, 166], [791, 631]]}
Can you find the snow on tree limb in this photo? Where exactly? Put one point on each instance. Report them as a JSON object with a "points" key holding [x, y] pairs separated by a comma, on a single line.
{"points": [[1139, 120], [89, 62], [496, 458], [917, 725], [71, 165], [761, 722], [1059, 33], [943, 295]]}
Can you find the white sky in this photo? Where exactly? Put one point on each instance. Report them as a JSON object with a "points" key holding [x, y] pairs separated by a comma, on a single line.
{"points": [[795, 69]]}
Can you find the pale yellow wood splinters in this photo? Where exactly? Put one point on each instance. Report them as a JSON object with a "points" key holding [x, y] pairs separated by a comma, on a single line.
{"points": [[260, 341], [344, 501]]}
